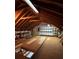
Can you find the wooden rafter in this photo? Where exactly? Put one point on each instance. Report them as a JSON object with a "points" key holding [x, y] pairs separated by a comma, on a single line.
{"points": [[18, 14], [27, 24], [25, 20], [22, 24], [29, 17], [21, 17], [34, 20]]}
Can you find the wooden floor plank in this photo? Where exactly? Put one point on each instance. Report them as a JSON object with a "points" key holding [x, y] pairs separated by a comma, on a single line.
{"points": [[51, 49], [34, 44], [44, 47]]}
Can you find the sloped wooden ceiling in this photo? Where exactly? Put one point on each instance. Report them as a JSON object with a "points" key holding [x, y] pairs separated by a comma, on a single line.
{"points": [[50, 11]]}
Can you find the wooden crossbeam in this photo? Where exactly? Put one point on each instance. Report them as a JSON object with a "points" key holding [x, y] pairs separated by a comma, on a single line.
{"points": [[28, 17], [34, 20]]}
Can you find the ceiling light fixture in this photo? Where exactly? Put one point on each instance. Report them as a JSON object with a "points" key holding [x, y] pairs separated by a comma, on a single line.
{"points": [[31, 5], [48, 25]]}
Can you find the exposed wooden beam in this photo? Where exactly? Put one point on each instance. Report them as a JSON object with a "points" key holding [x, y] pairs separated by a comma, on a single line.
{"points": [[24, 10], [34, 20], [29, 17], [27, 24], [18, 14], [22, 24], [17, 25], [21, 17], [25, 20]]}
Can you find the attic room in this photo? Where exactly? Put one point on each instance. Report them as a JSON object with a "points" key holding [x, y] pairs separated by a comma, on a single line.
{"points": [[38, 29]]}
